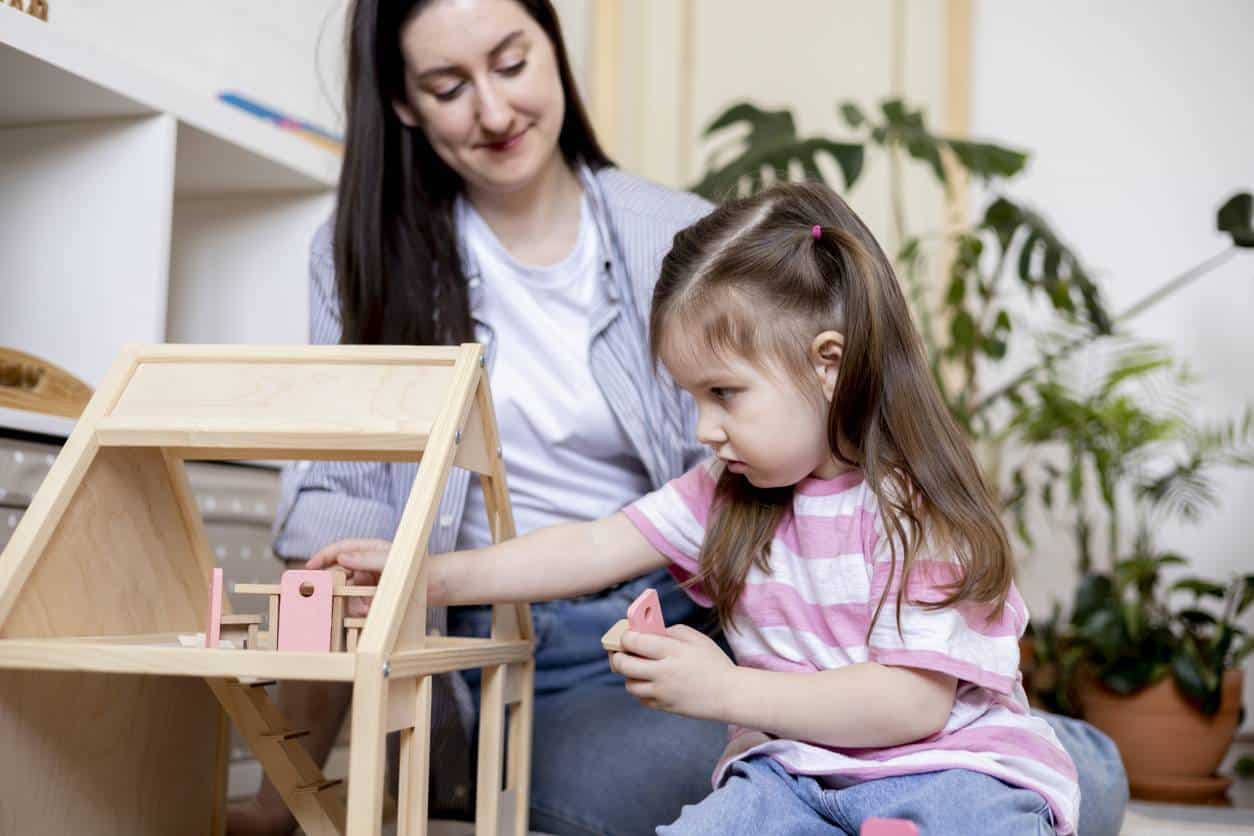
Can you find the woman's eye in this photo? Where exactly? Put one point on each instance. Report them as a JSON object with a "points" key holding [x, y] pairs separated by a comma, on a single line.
{"points": [[513, 69], [721, 393], [449, 94]]}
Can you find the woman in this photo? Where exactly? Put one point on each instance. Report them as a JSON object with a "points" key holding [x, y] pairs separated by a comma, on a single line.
{"points": [[476, 204]]}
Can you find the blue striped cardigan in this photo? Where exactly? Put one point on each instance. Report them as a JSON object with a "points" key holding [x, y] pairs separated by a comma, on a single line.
{"points": [[322, 502]]}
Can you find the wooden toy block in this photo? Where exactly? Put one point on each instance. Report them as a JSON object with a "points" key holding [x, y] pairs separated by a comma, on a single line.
{"points": [[242, 630], [888, 827], [339, 579], [645, 614], [38, 8], [214, 627], [305, 610], [353, 627], [16, 4], [612, 641], [117, 506]]}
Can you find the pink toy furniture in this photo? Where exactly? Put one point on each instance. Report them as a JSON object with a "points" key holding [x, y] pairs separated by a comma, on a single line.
{"points": [[213, 631], [889, 827], [645, 614], [305, 610]]}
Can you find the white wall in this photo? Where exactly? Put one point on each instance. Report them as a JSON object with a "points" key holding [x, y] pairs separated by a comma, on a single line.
{"points": [[284, 53], [1140, 123]]}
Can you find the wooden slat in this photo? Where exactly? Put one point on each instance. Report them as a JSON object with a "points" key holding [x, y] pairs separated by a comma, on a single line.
{"points": [[366, 751], [402, 702], [321, 354], [415, 764], [509, 621], [103, 657], [222, 436], [439, 658], [392, 604], [518, 766], [491, 751]]}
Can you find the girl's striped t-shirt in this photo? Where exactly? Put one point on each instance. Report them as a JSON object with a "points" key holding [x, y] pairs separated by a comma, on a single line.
{"points": [[830, 562]]}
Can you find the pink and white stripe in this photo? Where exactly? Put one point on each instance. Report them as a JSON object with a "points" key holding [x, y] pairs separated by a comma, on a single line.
{"points": [[812, 611]]}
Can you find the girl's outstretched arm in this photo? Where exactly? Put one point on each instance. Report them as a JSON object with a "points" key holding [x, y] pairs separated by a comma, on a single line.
{"points": [[561, 561]]}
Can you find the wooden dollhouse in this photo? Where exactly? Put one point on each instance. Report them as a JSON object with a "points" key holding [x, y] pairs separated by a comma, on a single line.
{"points": [[113, 707]]}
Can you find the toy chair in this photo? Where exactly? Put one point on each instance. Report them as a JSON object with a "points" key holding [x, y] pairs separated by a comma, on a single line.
{"points": [[113, 709]]}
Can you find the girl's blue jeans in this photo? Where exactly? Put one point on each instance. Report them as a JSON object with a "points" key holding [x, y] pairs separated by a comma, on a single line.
{"points": [[604, 764], [760, 798]]}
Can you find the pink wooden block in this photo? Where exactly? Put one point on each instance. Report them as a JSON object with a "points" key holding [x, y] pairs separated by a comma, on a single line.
{"points": [[213, 630], [305, 620], [645, 614], [888, 827]]}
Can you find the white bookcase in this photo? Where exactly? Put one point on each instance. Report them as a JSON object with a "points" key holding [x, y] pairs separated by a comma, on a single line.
{"points": [[134, 210]]}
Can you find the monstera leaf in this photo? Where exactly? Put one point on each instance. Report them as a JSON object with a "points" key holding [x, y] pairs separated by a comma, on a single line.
{"points": [[772, 145], [906, 128], [1047, 265]]}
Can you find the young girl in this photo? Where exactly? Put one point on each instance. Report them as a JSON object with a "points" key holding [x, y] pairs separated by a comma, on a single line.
{"points": [[843, 534]]}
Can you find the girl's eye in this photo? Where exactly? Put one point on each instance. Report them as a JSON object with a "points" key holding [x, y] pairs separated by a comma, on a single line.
{"points": [[513, 69], [722, 393]]}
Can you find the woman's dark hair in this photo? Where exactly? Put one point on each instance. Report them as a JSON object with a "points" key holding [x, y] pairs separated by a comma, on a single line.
{"points": [[399, 274]]}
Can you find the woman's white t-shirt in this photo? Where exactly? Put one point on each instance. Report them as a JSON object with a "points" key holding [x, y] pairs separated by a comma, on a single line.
{"points": [[566, 457]]}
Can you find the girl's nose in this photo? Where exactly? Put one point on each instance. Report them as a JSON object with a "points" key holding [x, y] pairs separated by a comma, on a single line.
{"points": [[495, 113], [710, 432]]}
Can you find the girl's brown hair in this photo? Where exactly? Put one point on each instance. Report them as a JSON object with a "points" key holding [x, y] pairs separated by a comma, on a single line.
{"points": [[751, 279]]}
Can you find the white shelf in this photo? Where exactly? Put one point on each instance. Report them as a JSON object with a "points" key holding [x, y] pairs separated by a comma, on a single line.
{"points": [[49, 78], [132, 210]]}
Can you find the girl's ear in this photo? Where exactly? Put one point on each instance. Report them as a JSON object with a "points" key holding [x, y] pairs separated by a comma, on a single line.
{"points": [[825, 353]]}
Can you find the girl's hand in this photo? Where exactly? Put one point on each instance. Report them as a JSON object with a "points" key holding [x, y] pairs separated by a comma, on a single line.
{"points": [[683, 672], [364, 561]]}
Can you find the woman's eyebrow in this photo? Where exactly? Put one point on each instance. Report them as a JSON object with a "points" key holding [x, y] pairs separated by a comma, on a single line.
{"points": [[492, 53]]}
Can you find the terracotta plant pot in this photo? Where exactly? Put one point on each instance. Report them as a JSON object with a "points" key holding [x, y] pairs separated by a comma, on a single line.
{"points": [[1160, 734]]}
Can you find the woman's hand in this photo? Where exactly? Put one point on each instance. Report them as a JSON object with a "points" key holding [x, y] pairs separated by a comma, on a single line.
{"points": [[364, 561], [683, 672]]}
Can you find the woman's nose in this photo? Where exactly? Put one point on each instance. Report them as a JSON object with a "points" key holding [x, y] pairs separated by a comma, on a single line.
{"points": [[495, 113]]}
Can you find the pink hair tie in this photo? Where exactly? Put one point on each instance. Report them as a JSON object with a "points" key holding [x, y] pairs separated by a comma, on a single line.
{"points": [[816, 231]]}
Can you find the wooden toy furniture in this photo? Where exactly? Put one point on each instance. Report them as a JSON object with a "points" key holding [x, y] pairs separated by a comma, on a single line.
{"points": [[112, 712], [317, 599]]}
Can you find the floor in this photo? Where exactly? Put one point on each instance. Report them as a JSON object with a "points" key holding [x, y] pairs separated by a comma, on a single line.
{"points": [[1235, 816]]}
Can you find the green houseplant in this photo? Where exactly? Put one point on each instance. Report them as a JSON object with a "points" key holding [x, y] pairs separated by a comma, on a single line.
{"points": [[1100, 456]]}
